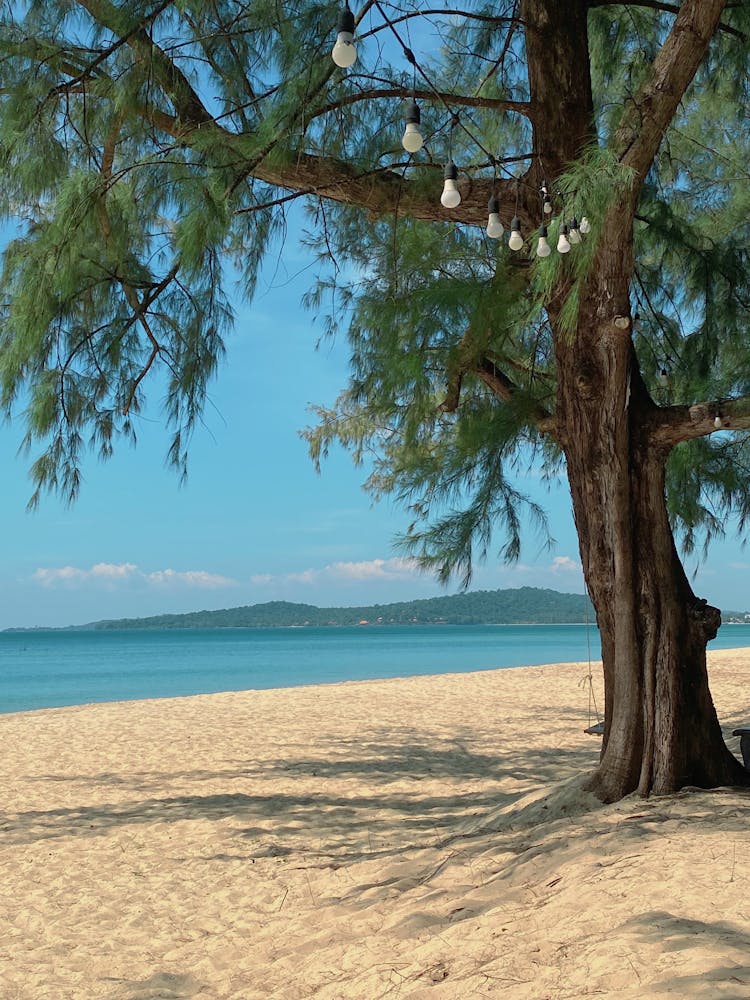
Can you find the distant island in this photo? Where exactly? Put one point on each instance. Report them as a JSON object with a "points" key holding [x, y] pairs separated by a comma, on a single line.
{"points": [[521, 606], [526, 605]]}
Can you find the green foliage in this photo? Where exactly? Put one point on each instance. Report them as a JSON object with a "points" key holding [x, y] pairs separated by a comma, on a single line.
{"points": [[129, 136], [709, 482], [429, 306]]}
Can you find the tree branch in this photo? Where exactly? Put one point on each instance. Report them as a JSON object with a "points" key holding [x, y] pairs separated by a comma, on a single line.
{"points": [[672, 424], [669, 8], [462, 100], [503, 387], [653, 107], [122, 40], [379, 192], [506, 389], [468, 14], [172, 80]]}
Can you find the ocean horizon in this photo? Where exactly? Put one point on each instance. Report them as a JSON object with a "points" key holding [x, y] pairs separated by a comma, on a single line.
{"points": [[50, 669]]}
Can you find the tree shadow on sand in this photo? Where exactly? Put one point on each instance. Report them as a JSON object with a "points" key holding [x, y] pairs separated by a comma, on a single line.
{"points": [[730, 978], [305, 808]]}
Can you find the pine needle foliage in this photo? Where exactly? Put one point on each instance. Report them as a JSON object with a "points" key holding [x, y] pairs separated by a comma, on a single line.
{"points": [[146, 147]]}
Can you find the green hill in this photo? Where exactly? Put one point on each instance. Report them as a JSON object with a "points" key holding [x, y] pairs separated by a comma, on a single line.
{"points": [[483, 607]]}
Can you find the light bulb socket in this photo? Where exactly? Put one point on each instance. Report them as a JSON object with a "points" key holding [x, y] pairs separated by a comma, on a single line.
{"points": [[451, 171], [543, 231], [346, 20], [413, 116], [493, 205], [515, 225], [574, 223]]}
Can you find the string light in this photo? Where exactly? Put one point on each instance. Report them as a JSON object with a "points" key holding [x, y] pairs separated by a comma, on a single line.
{"points": [[543, 249], [344, 52], [413, 140], [494, 225], [718, 421], [344, 55], [451, 196]]}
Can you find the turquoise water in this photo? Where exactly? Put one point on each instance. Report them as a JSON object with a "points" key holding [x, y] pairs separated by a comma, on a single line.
{"points": [[48, 669]]}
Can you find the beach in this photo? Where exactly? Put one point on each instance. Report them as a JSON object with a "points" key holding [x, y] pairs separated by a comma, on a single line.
{"points": [[420, 837]]}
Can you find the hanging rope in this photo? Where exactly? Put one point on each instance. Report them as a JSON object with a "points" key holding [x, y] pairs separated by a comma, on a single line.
{"points": [[594, 729]]}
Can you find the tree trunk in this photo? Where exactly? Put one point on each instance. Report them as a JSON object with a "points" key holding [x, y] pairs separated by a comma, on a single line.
{"points": [[661, 729]]}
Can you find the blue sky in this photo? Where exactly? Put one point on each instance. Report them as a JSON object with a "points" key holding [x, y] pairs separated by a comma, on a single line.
{"points": [[254, 522]]}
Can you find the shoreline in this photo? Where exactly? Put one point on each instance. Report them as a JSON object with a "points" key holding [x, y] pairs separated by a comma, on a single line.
{"points": [[302, 687], [594, 664]]}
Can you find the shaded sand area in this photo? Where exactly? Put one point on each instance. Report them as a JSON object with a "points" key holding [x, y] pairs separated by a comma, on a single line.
{"points": [[423, 837]]}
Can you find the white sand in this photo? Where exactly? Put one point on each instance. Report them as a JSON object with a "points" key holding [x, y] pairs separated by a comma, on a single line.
{"points": [[423, 838]]}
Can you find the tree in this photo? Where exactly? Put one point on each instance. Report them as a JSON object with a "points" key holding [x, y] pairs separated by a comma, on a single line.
{"points": [[146, 143]]}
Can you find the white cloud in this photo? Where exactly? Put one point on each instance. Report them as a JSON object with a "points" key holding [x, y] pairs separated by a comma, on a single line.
{"points": [[375, 569], [65, 574], [190, 578], [560, 564], [111, 571], [364, 571], [564, 564], [261, 578], [118, 573], [306, 576], [739, 565]]}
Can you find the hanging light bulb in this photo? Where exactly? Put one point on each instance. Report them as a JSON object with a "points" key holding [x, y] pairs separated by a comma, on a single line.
{"points": [[494, 225], [543, 249], [575, 233], [451, 196], [664, 379], [717, 421], [516, 240], [344, 52], [585, 226], [413, 139], [563, 246], [546, 200]]}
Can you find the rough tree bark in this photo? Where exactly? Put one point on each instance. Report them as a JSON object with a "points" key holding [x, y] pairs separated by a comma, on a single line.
{"points": [[661, 729]]}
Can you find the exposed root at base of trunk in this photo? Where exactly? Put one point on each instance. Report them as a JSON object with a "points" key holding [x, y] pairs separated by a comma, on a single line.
{"points": [[727, 772]]}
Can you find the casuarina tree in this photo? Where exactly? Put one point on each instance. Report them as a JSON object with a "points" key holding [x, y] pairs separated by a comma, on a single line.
{"points": [[150, 150]]}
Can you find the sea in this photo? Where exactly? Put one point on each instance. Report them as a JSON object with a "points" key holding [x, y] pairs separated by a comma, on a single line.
{"points": [[40, 669]]}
